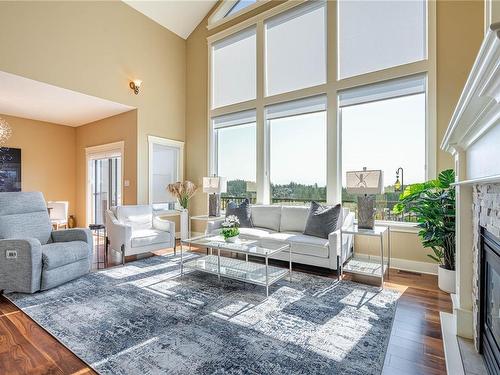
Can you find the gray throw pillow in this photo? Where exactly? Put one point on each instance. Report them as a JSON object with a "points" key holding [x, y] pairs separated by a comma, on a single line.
{"points": [[322, 220], [242, 212]]}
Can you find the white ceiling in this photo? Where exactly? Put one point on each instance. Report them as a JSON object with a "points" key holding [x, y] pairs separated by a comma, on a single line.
{"points": [[179, 16], [23, 97]]}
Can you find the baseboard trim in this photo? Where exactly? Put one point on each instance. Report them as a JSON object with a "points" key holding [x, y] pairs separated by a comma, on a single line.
{"points": [[450, 344], [407, 265]]}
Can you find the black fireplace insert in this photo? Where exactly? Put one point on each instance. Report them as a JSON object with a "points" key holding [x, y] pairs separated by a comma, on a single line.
{"points": [[489, 306]]}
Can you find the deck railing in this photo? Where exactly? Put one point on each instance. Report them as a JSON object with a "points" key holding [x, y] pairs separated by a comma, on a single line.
{"points": [[382, 208]]}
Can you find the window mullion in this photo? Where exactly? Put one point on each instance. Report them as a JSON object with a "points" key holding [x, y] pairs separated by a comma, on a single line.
{"points": [[261, 144], [333, 146]]}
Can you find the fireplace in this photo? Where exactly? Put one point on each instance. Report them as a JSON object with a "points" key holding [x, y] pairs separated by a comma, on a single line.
{"points": [[490, 301]]}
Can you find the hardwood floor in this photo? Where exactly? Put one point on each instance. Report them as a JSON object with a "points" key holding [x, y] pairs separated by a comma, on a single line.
{"points": [[415, 346]]}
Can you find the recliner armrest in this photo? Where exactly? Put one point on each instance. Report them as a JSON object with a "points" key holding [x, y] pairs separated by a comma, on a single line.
{"points": [[74, 234], [22, 271]]}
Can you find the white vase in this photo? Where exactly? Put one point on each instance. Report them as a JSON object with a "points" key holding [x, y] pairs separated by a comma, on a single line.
{"points": [[184, 223], [446, 280], [233, 239]]}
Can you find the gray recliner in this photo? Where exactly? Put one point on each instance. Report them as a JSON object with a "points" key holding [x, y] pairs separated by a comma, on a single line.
{"points": [[32, 256]]}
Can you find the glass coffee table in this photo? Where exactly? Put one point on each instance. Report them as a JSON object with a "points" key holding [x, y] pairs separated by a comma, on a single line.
{"points": [[243, 270]]}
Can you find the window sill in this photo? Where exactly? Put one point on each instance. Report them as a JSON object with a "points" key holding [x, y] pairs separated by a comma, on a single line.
{"points": [[397, 226]]}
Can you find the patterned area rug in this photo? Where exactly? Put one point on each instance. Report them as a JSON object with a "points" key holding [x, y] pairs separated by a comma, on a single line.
{"points": [[145, 318]]}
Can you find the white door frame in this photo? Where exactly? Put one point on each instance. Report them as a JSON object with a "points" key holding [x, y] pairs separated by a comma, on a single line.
{"points": [[152, 140], [100, 152]]}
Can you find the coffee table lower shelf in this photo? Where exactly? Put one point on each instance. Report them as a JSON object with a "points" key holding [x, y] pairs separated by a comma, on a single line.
{"points": [[250, 272]]}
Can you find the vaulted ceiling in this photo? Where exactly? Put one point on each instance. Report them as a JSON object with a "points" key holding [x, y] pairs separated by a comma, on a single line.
{"points": [[179, 16]]}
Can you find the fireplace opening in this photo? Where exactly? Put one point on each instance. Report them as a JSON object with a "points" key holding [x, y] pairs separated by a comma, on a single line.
{"points": [[489, 306]]}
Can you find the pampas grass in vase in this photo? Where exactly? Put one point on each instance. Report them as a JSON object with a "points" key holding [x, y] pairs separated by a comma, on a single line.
{"points": [[183, 191]]}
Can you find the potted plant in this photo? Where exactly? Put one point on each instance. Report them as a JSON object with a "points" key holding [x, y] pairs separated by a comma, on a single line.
{"points": [[183, 191], [433, 204], [230, 228]]}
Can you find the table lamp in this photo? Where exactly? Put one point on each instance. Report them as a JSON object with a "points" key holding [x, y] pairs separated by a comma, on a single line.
{"points": [[214, 186], [365, 184]]}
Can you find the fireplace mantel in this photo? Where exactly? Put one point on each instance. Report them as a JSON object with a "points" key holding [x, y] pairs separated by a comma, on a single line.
{"points": [[478, 108]]}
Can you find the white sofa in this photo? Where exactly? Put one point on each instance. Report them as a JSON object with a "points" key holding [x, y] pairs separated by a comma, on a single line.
{"points": [[135, 230], [286, 224]]}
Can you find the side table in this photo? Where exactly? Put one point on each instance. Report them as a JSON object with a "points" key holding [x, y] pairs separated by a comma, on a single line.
{"points": [[366, 266], [100, 239]]}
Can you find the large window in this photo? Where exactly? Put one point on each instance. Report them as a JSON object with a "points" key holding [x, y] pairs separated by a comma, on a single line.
{"points": [[383, 127], [234, 69], [331, 86], [235, 144], [375, 35], [297, 142], [296, 49]]}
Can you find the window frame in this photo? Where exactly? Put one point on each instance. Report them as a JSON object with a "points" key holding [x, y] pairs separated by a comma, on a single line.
{"points": [[218, 17], [331, 89]]}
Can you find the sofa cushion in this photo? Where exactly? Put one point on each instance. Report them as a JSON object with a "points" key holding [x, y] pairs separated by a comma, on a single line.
{"points": [[322, 220], [266, 217], [242, 212], [59, 254], [138, 217], [145, 237], [309, 245], [254, 233], [299, 243], [293, 218]]}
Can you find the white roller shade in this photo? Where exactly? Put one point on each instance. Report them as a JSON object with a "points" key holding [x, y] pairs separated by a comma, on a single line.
{"points": [[296, 107], [232, 119], [383, 90]]}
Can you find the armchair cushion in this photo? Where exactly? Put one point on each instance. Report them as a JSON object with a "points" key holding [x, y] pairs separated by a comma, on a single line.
{"points": [[138, 217], [59, 254], [145, 237]]}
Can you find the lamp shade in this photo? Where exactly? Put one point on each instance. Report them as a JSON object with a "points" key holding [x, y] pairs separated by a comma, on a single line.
{"points": [[365, 182], [214, 185]]}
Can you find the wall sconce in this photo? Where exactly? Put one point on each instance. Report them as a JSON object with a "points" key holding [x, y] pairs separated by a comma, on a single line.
{"points": [[135, 85]]}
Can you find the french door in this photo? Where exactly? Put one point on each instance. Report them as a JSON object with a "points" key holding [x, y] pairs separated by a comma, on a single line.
{"points": [[104, 181], [105, 187]]}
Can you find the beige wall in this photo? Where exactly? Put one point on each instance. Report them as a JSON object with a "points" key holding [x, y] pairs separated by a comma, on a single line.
{"points": [[404, 245], [96, 48], [457, 47], [48, 158], [117, 128]]}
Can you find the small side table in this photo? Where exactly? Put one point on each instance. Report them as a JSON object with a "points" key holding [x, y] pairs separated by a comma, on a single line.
{"points": [[99, 233], [366, 266]]}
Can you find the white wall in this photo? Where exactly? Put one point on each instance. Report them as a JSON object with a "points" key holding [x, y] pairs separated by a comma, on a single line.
{"points": [[483, 156]]}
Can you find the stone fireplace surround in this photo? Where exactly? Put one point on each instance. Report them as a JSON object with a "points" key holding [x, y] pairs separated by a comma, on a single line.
{"points": [[485, 214]]}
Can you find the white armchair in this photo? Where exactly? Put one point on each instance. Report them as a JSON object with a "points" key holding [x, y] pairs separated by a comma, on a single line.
{"points": [[134, 230], [58, 213]]}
